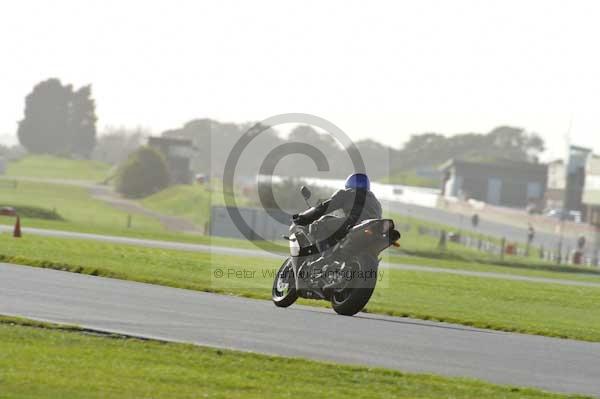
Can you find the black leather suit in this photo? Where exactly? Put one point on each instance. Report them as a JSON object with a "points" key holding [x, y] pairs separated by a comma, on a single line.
{"points": [[357, 205]]}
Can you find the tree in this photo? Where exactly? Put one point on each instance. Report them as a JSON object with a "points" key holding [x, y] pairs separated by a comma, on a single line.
{"points": [[214, 142], [504, 143], [515, 144], [300, 165], [82, 122], [376, 157], [58, 120], [307, 134], [12, 153], [114, 145], [45, 128], [144, 173]]}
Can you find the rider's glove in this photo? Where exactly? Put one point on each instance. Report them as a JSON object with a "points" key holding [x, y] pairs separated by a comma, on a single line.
{"points": [[298, 219]]}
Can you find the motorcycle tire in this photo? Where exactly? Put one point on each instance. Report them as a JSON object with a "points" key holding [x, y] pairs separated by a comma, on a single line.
{"points": [[355, 297], [284, 278]]}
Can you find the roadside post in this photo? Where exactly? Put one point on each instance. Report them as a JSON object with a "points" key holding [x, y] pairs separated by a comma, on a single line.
{"points": [[578, 254], [596, 257], [8, 211], [530, 237], [475, 220], [442, 242]]}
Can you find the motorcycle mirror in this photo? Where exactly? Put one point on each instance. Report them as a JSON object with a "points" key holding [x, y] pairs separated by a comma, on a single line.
{"points": [[305, 192]]}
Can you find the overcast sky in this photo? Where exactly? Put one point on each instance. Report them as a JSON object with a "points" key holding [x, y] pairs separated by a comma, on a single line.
{"points": [[383, 70]]}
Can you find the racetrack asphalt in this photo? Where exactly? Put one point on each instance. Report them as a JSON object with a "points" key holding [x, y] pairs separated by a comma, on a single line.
{"points": [[179, 315]]}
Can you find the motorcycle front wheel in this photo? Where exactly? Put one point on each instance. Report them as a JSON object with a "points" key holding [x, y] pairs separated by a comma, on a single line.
{"points": [[361, 273], [284, 291]]}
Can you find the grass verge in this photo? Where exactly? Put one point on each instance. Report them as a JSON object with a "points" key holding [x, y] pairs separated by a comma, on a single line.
{"points": [[510, 268], [67, 363]]}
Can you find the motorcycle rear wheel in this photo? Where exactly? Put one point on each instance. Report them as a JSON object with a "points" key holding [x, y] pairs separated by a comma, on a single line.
{"points": [[284, 291], [355, 296]]}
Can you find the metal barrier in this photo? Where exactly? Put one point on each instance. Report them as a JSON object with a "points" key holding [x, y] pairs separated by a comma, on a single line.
{"points": [[567, 256]]}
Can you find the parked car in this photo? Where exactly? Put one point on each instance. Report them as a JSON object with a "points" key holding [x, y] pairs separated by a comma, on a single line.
{"points": [[561, 214]]}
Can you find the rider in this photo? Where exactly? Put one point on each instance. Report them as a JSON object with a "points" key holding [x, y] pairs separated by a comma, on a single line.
{"points": [[355, 201]]}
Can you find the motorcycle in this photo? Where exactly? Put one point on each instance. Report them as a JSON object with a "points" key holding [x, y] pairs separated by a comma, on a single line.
{"points": [[343, 272]]}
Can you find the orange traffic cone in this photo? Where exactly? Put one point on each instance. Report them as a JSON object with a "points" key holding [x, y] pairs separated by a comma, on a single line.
{"points": [[17, 230]]}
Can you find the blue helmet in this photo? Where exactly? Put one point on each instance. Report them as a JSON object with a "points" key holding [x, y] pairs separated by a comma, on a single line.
{"points": [[358, 181]]}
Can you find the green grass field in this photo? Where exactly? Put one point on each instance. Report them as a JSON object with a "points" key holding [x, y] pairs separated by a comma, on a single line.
{"points": [[192, 202], [46, 361], [80, 211], [51, 167], [537, 308]]}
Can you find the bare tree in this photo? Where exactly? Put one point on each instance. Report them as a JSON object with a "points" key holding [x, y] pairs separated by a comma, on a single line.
{"points": [[116, 143]]}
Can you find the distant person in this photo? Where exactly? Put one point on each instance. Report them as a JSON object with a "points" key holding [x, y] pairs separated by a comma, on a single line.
{"points": [[581, 243], [530, 234], [578, 254], [475, 220]]}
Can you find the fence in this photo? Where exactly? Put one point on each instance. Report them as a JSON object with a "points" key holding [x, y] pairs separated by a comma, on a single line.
{"points": [[502, 247]]}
